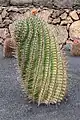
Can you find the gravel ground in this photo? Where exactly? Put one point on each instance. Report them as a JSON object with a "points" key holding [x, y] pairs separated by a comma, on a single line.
{"points": [[13, 105]]}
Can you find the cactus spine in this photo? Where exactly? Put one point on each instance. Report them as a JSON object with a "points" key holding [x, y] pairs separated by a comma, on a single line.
{"points": [[41, 62]]}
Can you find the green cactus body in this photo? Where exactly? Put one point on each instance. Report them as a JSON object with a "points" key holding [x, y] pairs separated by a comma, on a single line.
{"points": [[42, 64]]}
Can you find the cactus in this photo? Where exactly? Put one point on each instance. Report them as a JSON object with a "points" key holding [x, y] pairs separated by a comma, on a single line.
{"points": [[75, 47], [75, 50], [42, 64]]}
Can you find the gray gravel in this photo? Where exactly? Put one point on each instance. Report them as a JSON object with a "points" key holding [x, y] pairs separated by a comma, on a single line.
{"points": [[13, 105]]}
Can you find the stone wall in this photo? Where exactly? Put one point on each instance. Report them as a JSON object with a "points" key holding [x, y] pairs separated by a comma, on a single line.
{"points": [[63, 19], [64, 23], [67, 18], [49, 3]]}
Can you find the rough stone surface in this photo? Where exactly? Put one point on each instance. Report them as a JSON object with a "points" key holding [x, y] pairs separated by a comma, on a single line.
{"points": [[67, 3], [68, 26], [12, 28], [63, 16], [20, 2], [56, 13], [50, 20], [78, 11], [23, 10], [64, 22], [44, 14], [27, 14], [0, 19], [4, 13], [2, 25], [16, 16], [3, 33], [74, 15], [13, 9], [76, 4], [1, 40], [49, 3], [43, 2], [56, 20], [63, 3], [74, 31], [7, 21], [13, 16], [10, 15], [59, 32], [0, 9], [67, 10], [67, 21], [4, 2]]}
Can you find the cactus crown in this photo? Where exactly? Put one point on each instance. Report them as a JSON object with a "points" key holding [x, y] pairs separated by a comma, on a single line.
{"points": [[41, 62]]}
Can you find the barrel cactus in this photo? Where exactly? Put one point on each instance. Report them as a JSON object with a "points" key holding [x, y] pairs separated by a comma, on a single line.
{"points": [[42, 65]]}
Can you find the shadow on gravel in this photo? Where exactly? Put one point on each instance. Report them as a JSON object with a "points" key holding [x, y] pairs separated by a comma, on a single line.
{"points": [[13, 105]]}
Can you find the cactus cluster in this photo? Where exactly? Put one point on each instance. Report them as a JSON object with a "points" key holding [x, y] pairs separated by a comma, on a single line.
{"points": [[75, 50], [42, 64]]}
